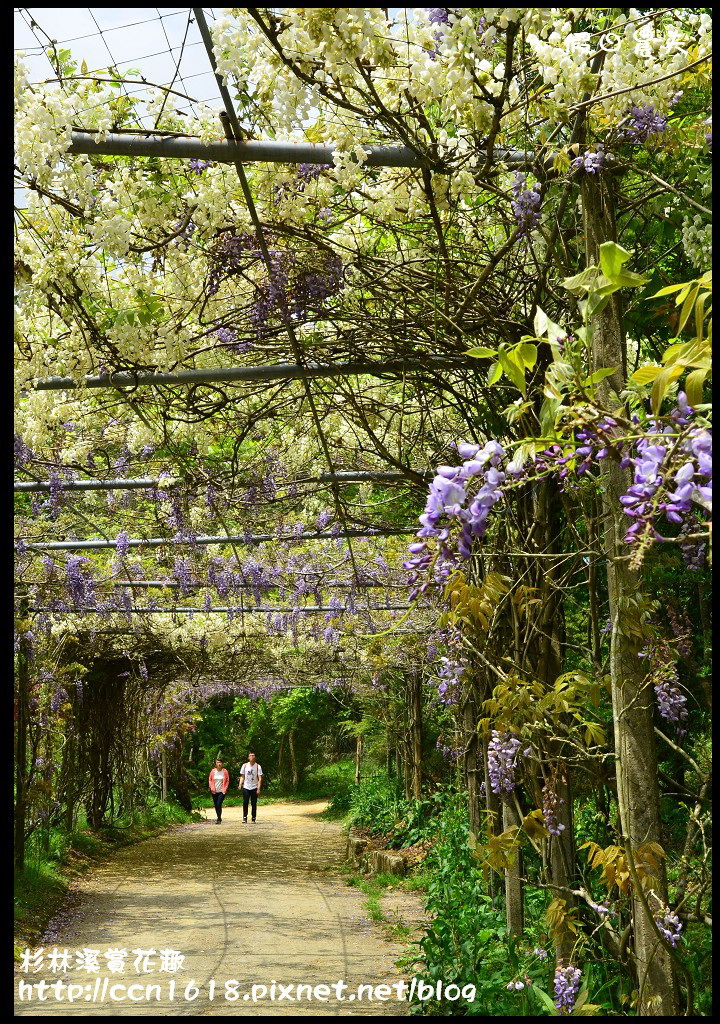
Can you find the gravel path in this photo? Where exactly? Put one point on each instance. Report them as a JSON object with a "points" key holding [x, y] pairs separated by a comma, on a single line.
{"points": [[255, 904]]}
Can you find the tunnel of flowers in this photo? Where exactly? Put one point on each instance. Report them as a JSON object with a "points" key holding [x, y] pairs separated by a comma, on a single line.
{"points": [[368, 407]]}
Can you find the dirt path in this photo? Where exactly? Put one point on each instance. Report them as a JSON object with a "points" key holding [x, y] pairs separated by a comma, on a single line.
{"points": [[250, 903]]}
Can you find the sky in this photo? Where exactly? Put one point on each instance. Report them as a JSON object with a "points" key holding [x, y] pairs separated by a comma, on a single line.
{"points": [[148, 38]]}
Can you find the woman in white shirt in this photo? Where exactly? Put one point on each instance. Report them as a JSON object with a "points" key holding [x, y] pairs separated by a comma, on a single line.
{"points": [[218, 780]]}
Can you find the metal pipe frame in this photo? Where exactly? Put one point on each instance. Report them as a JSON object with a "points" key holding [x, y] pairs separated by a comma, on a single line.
{"points": [[229, 374], [173, 585], [262, 151], [96, 485], [235, 610], [157, 542], [21, 486]]}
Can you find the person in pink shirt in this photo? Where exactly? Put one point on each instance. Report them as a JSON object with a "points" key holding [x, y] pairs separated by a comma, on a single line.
{"points": [[218, 780]]}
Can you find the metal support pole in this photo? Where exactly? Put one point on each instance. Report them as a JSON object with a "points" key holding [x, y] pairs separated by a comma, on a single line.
{"points": [[308, 608], [96, 485], [229, 374], [261, 151], [158, 542]]}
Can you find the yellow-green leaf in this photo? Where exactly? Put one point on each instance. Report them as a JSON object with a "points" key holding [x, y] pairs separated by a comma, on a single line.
{"points": [[528, 354], [694, 386], [662, 382], [513, 371], [646, 374], [494, 373], [482, 353], [612, 258]]}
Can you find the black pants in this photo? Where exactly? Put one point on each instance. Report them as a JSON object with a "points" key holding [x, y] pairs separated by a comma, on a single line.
{"points": [[249, 797], [218, 801]]}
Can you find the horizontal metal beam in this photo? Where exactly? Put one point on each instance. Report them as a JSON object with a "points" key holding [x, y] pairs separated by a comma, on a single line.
{"points": [[235, 610], [359, 475], [157, 542], [173, 585], [262, 151], [95, 485], [21, 486], [229, 374]]}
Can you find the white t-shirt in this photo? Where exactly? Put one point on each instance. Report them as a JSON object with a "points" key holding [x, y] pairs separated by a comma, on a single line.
{"points": [[251, 772], [218, 779]]}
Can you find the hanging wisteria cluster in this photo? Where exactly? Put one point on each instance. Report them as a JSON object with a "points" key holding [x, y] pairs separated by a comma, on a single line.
{"points": [[551, 805], [504, 749], [525, 205], [670, 926], [567, 986], [456, 500]]}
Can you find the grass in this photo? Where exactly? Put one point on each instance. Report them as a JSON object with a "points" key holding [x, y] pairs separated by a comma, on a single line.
{"points": [[40, 891], [374, 886]]}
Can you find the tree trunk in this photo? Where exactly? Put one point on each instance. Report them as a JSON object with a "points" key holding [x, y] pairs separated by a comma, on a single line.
{"points": [[632, 698], [163, 776], [474, 770], [293, 762], [414, 685], [23, 685], [358, 753], [514, 908]]}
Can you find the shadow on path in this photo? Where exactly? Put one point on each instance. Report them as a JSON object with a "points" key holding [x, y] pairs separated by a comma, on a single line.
{"points": [[246, 903]]}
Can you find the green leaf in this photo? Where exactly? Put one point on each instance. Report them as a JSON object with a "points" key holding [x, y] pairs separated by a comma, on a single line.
{"points": [[667, 291], [546, 1001], [687, 308], [694, 386], [528, 354], [482, 353], [548, 412], [561, 162], [612, 258], [83, 68], [646, 374], [662, 382], [582, 282], [628, 279], [508, 361], [595, 378], [494, 373]]}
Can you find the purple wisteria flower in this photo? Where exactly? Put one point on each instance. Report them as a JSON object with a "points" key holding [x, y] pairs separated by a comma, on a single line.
{"points": [[592, 161], [503, 753], [670, 926], [309, 172], [672, 704], [447, 753], [229, 338], [525, 205], [645, 122], [551, 805], [567, 986], [694, 554], [23, 454], [647, 479], [79, 583], [449, 673], [446, 500], [122, 544], [198, 166]]}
